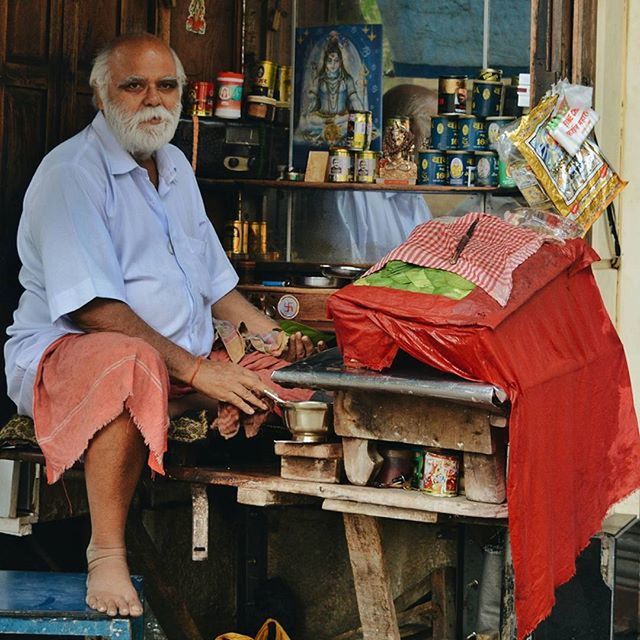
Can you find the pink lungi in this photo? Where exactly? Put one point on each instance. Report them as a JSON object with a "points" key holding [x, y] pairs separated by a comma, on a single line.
{"points": [[85, 381]]}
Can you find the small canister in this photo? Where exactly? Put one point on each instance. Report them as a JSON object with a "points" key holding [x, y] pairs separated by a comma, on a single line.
{"points": [[510, 106], [440, 474], [260, 108], [263, 81], [229, 95], [491, 75], [461, 168], [283, 113], [358, 130], [283, 83], [452, 94], [486, 98], [339, 165], [432, 167], [444, 132], [235, 240], [366, 166], [494, 128], [472, 133], [257, 240], [486, 168], [200, 99], [504, 176]]}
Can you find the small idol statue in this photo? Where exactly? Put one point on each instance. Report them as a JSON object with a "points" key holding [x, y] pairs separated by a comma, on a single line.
{"points": [[398, 150]]}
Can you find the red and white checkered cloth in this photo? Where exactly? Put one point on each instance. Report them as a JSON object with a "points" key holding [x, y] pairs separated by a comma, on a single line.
{"points": [[494, 250]]}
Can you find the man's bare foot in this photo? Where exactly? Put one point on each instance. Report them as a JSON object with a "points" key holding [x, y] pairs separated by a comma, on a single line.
{"points": [[109, 587]]}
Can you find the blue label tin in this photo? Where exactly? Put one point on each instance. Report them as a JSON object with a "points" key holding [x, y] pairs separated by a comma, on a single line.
{"points": [[444, 132], [486, 168], [472, 133], [486, 98], [461, 166], [432, 167]]}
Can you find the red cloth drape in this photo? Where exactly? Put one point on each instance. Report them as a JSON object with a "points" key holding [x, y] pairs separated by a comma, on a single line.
{"points": [[574, 442]]}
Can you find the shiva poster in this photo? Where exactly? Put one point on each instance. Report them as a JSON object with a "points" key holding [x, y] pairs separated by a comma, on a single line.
{"points": [[337, 69]]}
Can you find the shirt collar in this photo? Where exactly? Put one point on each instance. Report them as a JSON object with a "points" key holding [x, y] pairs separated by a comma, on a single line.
{"points": [[121, 161]]}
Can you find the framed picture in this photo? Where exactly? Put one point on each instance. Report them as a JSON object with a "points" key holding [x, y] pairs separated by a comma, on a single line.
{"points": [[337, 69]]}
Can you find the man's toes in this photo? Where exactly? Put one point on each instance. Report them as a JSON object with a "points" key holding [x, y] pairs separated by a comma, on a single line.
{"points": [[112, 607], [135, 608], [92, 601], [123, 606]]}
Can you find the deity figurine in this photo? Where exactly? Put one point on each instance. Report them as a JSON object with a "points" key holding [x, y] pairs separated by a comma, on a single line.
{"points": [[398, 150]]}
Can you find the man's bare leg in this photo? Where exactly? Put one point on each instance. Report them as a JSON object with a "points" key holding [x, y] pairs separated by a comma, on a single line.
{"points": [[113, 464]]}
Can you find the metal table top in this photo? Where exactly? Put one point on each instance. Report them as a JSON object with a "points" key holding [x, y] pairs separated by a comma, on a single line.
{"points": [[326, 370]]}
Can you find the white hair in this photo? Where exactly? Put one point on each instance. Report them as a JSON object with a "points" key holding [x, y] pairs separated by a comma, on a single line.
{"points": [[100, 74]]}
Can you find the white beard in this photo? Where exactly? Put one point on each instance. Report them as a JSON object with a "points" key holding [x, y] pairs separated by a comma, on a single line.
{"points": [[134, 131]]}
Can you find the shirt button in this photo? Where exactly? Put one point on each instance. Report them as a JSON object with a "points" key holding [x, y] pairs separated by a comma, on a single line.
{"points": [[170, 247]]}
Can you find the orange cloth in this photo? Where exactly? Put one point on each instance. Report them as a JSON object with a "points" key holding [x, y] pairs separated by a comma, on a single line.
{"points": [[84, 381], [230, 418]]}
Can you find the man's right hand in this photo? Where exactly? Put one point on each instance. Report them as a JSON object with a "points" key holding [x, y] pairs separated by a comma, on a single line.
{"points": [[230, 383]]}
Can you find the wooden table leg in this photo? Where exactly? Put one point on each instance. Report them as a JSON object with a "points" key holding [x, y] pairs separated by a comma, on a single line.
{"points": [[508, 624], [373, 593]]}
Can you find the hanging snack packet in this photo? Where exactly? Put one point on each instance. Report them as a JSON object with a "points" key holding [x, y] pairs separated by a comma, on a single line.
{"points": [[581, 186]]}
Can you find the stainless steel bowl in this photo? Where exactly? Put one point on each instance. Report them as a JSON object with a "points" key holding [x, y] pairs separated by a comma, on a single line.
{"points": [[308, 421]]}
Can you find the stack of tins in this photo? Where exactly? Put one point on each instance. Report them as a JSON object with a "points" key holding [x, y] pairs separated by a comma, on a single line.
{"points": [[355, 162], [462, 151], [269, 96]]}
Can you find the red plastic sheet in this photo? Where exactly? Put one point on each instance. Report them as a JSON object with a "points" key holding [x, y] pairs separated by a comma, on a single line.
{"points": [[574, 442]]}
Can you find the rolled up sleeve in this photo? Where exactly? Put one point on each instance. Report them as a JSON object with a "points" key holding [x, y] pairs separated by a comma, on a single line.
{"points": [[70, 232]]}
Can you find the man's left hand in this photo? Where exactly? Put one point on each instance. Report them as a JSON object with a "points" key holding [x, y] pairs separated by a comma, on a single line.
{"points": [[299, 347]]}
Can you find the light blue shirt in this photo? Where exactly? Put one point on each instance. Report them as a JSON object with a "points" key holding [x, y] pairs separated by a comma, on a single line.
{"points": [[94, 226]]}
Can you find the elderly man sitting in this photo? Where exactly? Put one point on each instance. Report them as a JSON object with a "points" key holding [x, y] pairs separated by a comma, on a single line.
{"points": [[122, 271]]}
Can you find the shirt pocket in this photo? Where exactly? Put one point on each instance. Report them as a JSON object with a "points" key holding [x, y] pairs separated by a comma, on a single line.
{"points": [[199, 273]]}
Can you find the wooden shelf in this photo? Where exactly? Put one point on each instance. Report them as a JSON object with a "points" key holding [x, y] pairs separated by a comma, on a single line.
{"points": [[343, 186], [399, 498]]}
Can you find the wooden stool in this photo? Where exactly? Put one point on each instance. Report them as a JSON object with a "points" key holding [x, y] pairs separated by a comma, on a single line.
{"points": [[51, 604]]}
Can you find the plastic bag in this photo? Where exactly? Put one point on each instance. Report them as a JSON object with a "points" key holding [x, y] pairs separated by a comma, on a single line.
{"points": [[553, 226], [573, 118], [263, 634], [580, 187]]}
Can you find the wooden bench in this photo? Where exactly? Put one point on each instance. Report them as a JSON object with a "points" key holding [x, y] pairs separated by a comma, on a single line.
{"points": [[52, 604]]}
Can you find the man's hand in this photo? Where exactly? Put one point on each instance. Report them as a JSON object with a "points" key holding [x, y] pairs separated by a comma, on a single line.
{"points": [[230, 383], [300, 347]]}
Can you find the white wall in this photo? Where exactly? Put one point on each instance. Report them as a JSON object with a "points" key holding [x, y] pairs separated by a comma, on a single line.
{"points": [[617, 100]]}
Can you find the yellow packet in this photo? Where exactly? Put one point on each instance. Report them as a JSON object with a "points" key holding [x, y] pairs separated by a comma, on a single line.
{"points": [[580, 187]]}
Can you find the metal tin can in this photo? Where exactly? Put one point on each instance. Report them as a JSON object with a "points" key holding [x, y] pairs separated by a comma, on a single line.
{"points": [[365, 166], [486, 168], [229, 95], [472, 133], [461, 168], [283, 83], [200, 99], [339, 165], [444, 132], [358, 130], [263, 80], [440, 474], [491, 75], [486, 98], [432, 167], [235, 240], [504, 176], [257, 238], [511, 107], [494, 127], [452, 94]]}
